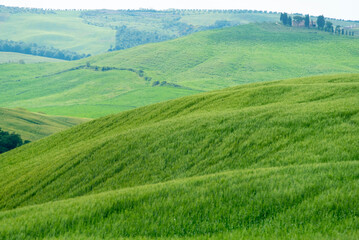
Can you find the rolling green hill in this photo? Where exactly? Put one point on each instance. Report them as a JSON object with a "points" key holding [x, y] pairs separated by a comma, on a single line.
{"points": [[151, 73], [63, 30], [273, 160], [33, 126], [10, 57], [93, 32]]}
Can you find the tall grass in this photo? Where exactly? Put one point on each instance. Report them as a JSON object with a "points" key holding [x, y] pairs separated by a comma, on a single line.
{"points": [[274, 160], [282, 123], [298, 202]]}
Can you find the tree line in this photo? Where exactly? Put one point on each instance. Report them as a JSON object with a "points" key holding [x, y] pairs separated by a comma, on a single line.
{"points": [[10, 141], [129, 37], [321, 23], [15, 10], [34, 49]]}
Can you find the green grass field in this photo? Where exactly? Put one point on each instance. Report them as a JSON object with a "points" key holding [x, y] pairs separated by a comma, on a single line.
{"points": [[156, 21], [10, 57], [64, 30], [200, 62], [96, 34], [207, 19], [33, 126], [93, 32], [231, 56], [273, 160]]}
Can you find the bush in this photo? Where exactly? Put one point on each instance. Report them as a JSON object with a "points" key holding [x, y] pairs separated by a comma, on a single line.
{"points": [[155, 83], [10, 141]]}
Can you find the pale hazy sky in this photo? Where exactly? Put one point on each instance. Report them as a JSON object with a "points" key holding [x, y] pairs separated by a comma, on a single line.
{"points": [[343, 9]]}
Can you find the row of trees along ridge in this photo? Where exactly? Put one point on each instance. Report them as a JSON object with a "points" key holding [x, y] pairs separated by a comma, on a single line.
{"points": [[43, 51], [321, 24]]}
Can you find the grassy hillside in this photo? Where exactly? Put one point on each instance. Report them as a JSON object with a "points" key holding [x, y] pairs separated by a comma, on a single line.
{"points": [[227, 57], [319, 201], [33, 126], [10, 57], [93, 32], [267, 160], [170, 22], [200, 62], [63, 30]]}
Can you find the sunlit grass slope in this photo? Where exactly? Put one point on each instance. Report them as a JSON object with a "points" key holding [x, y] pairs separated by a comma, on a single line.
{"points": [[63, 30], [315, 201], [266, 160], [275, 160], [95, 33], [33, 126], [231, 56], [10, 57], [200, 62], [61, 89]]}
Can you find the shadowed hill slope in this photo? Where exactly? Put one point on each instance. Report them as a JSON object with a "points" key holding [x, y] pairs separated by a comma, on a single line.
{"points": [[33, 126], [10, 57], [151, 73]]}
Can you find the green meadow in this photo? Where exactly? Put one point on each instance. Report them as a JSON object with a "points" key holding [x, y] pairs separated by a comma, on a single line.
{"points": [[272, 160], [93, 31], [63, 30], [147, 74], [33, 126]]}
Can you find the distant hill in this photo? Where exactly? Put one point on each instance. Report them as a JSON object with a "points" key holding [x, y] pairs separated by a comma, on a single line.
{"points": [[34, 126], [60, 29], [11, 57], [94, 31], [151, 73], [267, 160]]}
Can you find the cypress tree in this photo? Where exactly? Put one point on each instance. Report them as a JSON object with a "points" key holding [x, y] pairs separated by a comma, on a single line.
{"points": [[289, 21], [307, 21], [321, 22]]}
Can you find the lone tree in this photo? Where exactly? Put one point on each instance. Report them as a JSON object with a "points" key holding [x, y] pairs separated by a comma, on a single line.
{"points": [[307, 21], [321, 22]]}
